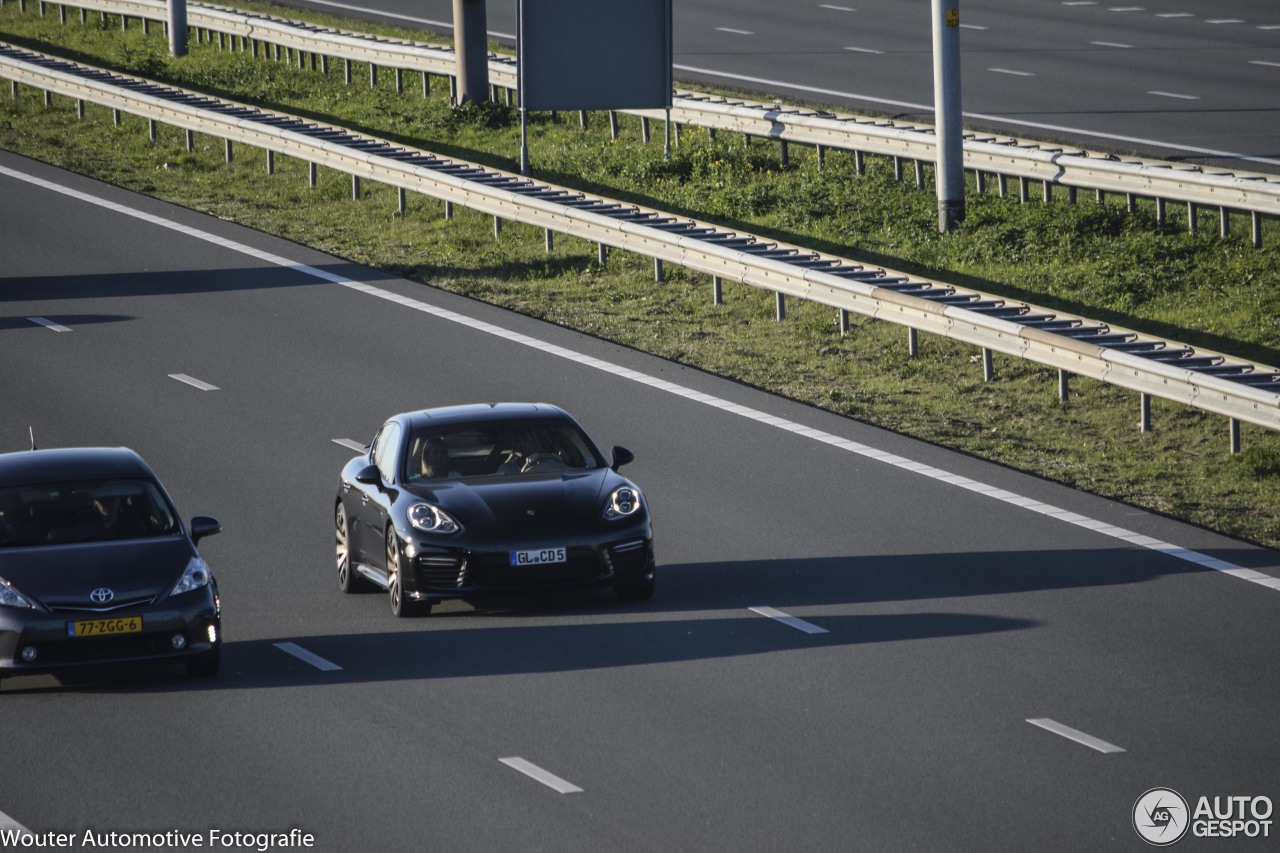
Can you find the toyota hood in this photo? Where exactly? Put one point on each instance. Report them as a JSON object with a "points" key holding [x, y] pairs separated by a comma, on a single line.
{"points": [[66, 575]]}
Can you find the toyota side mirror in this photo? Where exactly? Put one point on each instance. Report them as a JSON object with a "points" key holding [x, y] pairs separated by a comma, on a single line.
{"points": [[202, 526]]}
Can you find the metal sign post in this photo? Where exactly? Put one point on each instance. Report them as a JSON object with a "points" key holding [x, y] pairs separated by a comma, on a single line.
{"points": [[948, 118]]}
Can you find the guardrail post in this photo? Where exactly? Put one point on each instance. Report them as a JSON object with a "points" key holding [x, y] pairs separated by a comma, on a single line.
{"points": [[988, 369], [311, 175], [373, 76], [1224, 222], [780, 307], [448, 210], [919, 164], [1234, 430], [658, 272], [62, 18], [84, 16], [717, 290], [1099, 196], [124, 20], [228, 150], [913, 343], [399, 80], [1160, 217], [582, 119], [897, 168], [497, 227], [859, 163], [115, 118], [602, 254], [979, 181], [822, 155], [355, 187], [1256, 221], [644, 130], [1191, 217], [48, 98], [426, 85], [1071, 195], [1130, 202], [1048, 191], [1144, 413], [1022, 190], [80, 108], [190, 140], [784, 157], [271, 162], [1002, 185], [1063, 390], [453, 91], [346, 71], [401, 201], [613, 125], [13, 89], [550, 241], [324, 64], [844, 322], [151, 130]]}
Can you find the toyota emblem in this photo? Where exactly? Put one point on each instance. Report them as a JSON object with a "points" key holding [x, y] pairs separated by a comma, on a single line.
{"points": [[101, 595]]}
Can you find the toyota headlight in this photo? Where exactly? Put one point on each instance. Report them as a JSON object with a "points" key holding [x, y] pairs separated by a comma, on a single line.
{"points": [[10, 597], [624, 502], [432, 519], [195, 576]]}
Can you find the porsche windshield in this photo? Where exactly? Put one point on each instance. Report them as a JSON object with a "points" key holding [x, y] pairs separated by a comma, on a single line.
{"points": [[83, 511], [505, 449]]}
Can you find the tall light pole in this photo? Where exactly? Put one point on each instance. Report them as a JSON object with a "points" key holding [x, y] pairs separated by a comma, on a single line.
{"points": [[948, 117], [177, 27]]}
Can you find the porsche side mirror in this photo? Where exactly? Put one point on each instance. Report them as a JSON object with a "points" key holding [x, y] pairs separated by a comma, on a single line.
{"points": [[202, 526], [621, 456], [369, 475]]}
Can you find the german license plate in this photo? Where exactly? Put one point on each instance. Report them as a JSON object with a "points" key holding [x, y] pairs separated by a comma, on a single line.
{"points": [[103, 627], [538, 558]]}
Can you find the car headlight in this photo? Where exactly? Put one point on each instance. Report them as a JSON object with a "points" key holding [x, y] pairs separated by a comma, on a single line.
{"points": [[195, 576], [10, 597], [623, 503], [432, 519]]}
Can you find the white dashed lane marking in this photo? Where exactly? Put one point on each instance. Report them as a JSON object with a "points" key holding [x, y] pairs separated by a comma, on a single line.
{"points": [[351, 444], [533, 771], [1075, 735], [994, 492], [307, 657], [9, 823], [48, 324], [193, 382], [786, 619]]}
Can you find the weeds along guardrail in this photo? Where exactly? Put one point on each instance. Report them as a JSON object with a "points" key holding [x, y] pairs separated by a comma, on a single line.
{"points": [[1213, 382], [1000, 157]]}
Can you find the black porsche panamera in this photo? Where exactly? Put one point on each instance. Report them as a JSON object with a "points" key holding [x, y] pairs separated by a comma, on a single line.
{"points": [[96, 566], [466, 500]]}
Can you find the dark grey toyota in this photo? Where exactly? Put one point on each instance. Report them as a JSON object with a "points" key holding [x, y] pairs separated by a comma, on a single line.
{"points": [[96, 566]]}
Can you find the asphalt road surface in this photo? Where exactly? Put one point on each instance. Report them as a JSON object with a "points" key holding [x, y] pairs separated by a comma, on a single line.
{"points": [[852, 633], [1192, 80]]}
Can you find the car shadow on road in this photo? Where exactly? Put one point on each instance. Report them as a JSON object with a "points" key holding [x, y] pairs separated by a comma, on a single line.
{"points": [[700, 612]]}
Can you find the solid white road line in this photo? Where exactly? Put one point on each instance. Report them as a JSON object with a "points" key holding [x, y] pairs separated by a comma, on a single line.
{"points": [[1075, 735], [1264, 62], [193, 382], [9, 823], [785, 619], [1225, 21], [866, 451], [307, 657], [533, 771], [48, 324], [352, 444]]}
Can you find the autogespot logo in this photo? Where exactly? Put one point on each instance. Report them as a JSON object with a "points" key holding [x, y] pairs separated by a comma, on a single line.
{"points": [[1160, 816]]}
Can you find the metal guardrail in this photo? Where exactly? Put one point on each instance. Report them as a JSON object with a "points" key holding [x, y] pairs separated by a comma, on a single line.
{"points": [[1006, 157], [1205, 380]]}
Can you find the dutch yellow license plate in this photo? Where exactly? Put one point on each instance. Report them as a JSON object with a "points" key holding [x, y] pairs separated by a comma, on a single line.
{"points": [[105, 627]]}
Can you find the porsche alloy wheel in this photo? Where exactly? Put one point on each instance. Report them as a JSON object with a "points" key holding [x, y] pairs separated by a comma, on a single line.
{"points": [[349, 579]]}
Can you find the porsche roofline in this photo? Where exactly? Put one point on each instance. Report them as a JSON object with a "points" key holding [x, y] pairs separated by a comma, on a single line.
{"points": [[71, 463]]}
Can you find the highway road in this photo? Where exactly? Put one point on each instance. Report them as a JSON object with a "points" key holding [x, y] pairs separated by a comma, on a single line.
{"points": [[1192, 80], [859, 641]]}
